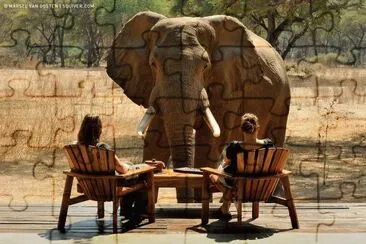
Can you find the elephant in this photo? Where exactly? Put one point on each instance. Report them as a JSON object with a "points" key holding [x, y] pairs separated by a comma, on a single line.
{"points": [[197, 76]]}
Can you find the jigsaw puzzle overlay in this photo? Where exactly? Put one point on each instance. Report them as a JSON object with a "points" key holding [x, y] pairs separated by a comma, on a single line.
{"points": [[42, 108]]}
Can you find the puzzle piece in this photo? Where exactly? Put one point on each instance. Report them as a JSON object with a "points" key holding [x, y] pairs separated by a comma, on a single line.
{"points": [[30, 159], [13, 112], [325, 128]]}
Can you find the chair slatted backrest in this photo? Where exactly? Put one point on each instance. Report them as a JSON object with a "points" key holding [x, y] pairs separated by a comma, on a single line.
{"points": [[260, 162], [91, 160]]}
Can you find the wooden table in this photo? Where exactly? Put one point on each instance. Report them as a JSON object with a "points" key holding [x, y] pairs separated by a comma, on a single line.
{"points": [[169, 178]]}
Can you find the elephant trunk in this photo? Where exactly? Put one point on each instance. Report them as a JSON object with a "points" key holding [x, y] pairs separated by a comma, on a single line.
{"points": [[181, 141]]}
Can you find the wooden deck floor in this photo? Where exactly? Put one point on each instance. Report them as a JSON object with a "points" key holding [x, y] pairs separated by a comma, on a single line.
{"points": [[182, 218]]}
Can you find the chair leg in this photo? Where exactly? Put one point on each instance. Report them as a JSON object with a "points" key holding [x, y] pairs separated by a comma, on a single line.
{"points": [[156, 194], [151, 197], [100, 209], [100, 221], [115, 209], [255, 210], [205, 199], [240, 200], [290, 202], [65, 203]]}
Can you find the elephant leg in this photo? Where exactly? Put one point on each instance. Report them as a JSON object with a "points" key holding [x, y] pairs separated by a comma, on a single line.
{"points": [[208, 150], [276, 129], [204, 154], [155, 142], [278, 117]]}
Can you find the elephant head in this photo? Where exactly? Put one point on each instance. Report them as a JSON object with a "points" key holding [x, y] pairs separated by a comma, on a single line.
{"points": [[168, 64]]}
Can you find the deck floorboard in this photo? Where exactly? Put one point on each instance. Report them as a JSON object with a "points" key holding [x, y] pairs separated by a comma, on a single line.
{"points": [[179, 218]]}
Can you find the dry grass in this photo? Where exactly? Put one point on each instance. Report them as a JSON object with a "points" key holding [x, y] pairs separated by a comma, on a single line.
{"points": [[42, 110]]}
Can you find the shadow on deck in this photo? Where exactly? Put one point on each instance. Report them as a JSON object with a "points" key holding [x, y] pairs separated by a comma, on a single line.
{"points": [[182, 220]]}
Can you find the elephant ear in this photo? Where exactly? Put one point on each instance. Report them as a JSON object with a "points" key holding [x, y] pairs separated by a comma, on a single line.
{"points": [[128, 59], [235, 49]]}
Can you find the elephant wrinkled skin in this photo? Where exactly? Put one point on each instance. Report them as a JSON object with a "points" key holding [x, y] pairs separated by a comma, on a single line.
{"points": [[198, 75]]}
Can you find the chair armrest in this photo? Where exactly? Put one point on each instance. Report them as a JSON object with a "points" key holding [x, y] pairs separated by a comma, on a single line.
{"points": [[143, 170], [112, 177], [215, 172], [254, 177], [88, 176]]}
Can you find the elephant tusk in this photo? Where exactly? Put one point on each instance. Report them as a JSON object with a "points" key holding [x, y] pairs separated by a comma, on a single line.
{"points": [[211, 122], [145, 121]]}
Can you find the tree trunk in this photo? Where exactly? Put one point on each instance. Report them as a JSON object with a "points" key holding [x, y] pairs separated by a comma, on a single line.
{"points": [[60, 46], [271, 28]]}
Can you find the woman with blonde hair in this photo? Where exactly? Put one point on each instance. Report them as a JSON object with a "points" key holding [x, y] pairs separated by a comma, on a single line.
{"points": [[250, 127]]}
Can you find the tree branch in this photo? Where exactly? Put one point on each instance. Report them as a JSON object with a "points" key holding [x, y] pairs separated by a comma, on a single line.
{"points": [[259, 21], [293, 40]]}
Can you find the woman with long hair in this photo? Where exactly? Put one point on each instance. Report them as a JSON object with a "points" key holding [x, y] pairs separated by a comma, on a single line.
{"points": [[134, 203]]}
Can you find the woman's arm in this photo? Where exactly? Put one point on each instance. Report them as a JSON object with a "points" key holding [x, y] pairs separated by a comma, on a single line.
{"points": [[120, 167]]}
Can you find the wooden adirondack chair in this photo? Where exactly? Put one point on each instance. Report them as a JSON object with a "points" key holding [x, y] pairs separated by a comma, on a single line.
{"points": [[256, 179], [94, 169]]}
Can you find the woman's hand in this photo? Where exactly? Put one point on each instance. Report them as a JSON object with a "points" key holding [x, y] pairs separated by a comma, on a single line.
{"points": [[213, 178], [160, 165]]}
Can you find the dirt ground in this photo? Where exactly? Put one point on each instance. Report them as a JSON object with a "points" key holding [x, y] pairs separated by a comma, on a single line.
{"points": [[41, 112]]}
